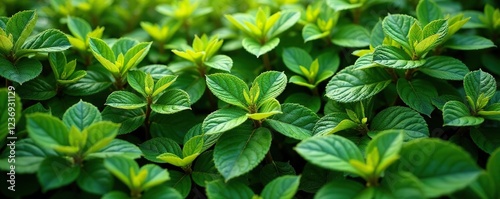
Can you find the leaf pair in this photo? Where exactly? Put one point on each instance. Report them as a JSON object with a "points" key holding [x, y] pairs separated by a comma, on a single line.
{"points": [[202, 54], [256, 103], [63, 70], [121, 57], [312, 72], [154, 95], [164, 150], [16, 45]]}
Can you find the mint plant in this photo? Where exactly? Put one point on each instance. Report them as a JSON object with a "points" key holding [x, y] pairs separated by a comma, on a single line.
{"points": [[17, 46], [80, 39]]}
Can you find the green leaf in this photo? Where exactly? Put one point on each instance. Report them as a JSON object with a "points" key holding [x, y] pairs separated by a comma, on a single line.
{"points": [[47, 131], [163, 84], [50, 40], [223, 120], [487, 139], [238, 152], [79, 27], [193, 146], [120, 167], [21, 71], [55, 172], [194, 85], [20, 25], [81, 115], [296, 121], [312, 102], [156, 176], [417, 94], [257, 49], [397, 27], [388, 145], [444, 67], [468, 42], [271, 84], [204, 170], [100, 134], [180, 181], [394, 57], [172, 101], [135, 55], [228, 88], [340, 189], [274, 170], [283, 187], [332, 123], [400, 118], [456, 113], [95, 178], [116, 195], [130, 120], [351, 85], [125, 100], [162, 192], [157, 146], [117, 147], [28, 158], [493, 165], [103, 53], [477, 83], [351, 36], [234, 190], [331, 152], [428, 11], [294, 57], [313, 32], [40, 88], [96, 80], [440, 166], [220, 62], [286, 20], [339, 5], [137, 80]]}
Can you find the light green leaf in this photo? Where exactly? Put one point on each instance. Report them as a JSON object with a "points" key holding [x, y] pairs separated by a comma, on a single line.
{"points": [[162, 192], [223, 120], [116, 195], [268, 108], [388, 145], [294, 57], [351, 85], [103, 53], [427, 11], [55, 172], [441, 167], [283, 187], [100, 134], [163, 84], [301, 81], [468, 42], [257, 49], [296, 121], [456, 113], [332, 123], [235, 190], [220, 62], [444, 67], [137, 80], [238, 152], [340, 189], [417, 94], [397, 27], [351, 36], [331, 152], [312, 32], [95, 178], [156, 175], [120, 167], [47, 131], [125, 100], [401, 118], [22, 71], [479, 82], [29, 156], [286, 20], [394, 57], [271, 84], [172, 101], [117, 147], [79, 27], [339, 5], [20, 25], [228, 88], [50, 40], [135, 55], [81, 115]]}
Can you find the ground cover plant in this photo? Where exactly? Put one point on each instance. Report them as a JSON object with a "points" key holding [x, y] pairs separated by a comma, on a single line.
{"points": [[249, 99]]}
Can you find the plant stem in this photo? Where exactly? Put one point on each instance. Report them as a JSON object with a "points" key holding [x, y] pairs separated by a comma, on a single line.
{"points": [[267, 62], [393, 74], [119, 83], [315, 91], [356, 15], [269, 157], [147, 122]]}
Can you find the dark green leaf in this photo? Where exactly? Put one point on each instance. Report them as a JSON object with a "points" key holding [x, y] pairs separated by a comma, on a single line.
{"points": [[296, 121], [81, 115], [162, 192], [130, 120], [294, 57], [394, 57], [117, 147], [443, 67], [223, 120], [332, 123], [125, 100], [234, 190], [427, 11], [275, 169], [181, 182], [95, 178], [40, 88], [204, 170], [417, 94], [22, 71], [397, 27], [228, 88], [55, 172], [468, 42], [479, 82], [456, 113], [487, 140], [157, 146], [283, 187], [95, 81], [28, 158], [50, 40], [400, 118], [271, 84], [172, 101], [340, 189]]}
